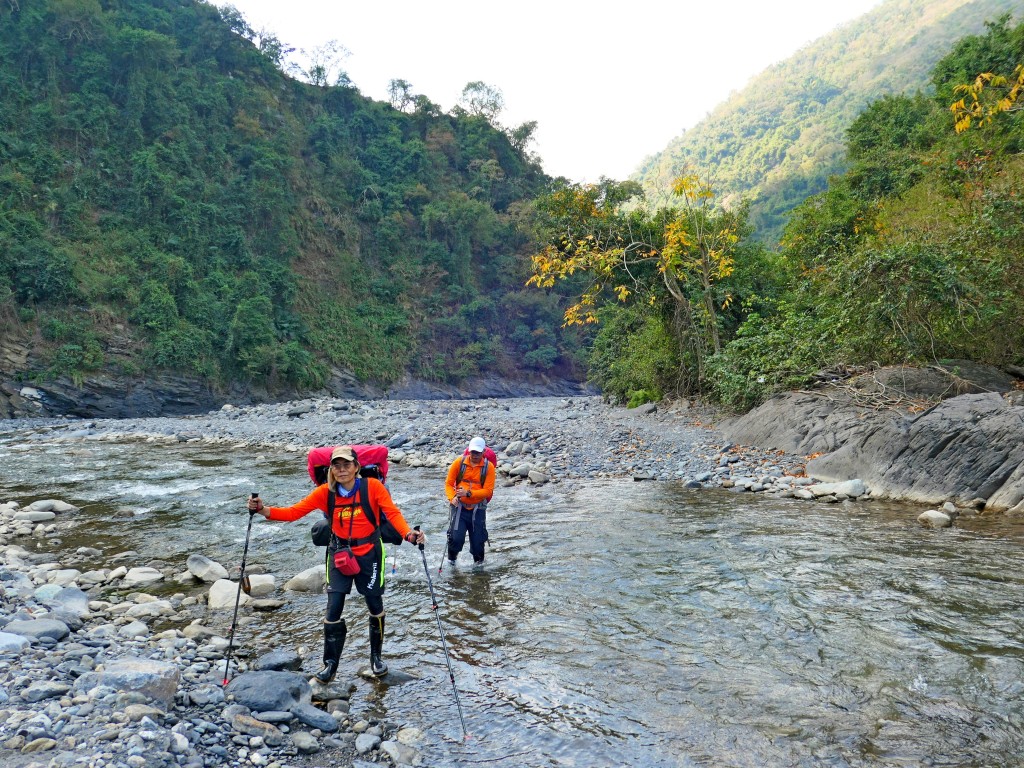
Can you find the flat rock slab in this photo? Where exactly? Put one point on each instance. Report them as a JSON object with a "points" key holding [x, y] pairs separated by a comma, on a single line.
{"points": [[36, 629]]}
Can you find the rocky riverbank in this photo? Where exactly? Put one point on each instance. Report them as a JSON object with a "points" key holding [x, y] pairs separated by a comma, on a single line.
{"points": [[96, 667], [96, 670], [539, 440], [105, 395], [102, 664], [940, 435]]}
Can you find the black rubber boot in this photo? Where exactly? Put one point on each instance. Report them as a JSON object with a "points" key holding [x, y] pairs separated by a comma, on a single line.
{"points": [[377, 665], [334, 641]]}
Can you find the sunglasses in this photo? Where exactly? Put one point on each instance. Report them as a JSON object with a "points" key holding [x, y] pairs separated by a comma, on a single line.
{"points": [[342, 463]]}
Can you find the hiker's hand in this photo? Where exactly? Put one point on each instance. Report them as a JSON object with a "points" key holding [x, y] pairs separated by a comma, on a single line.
{"points": [[416, 537], [256, 505], [462, 493]]}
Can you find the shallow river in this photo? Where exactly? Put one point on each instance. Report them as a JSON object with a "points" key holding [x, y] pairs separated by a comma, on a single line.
{"points": [[614, 623]]}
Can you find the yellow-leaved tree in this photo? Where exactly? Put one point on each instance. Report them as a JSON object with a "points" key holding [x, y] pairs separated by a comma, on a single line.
{"points": [[985, 98], [623, 252]]}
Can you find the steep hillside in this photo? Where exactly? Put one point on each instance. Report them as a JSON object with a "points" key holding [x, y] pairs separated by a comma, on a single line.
{"points": [[778, 140], [170, 200], [913, 255]]}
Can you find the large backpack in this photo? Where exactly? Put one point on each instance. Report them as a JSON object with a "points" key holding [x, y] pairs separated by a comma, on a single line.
{"points": [[373, 462]]}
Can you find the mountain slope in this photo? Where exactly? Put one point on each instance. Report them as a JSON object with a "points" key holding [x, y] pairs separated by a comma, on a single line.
{"points": [[170, 200], [779, 139]]}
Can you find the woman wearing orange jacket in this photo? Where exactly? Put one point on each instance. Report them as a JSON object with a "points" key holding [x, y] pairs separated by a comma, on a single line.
{"points": [[469, 486], [351, 528]]}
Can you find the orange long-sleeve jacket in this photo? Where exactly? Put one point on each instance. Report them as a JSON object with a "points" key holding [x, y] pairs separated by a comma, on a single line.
{"points": [[345, 508], [470, 480]]}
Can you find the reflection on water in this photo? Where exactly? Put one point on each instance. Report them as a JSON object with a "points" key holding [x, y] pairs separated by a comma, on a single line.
{"points": [[615, 623]]}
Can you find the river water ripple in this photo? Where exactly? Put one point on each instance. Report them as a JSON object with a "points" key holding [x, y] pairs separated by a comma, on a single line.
{"points": [[615, 623]]}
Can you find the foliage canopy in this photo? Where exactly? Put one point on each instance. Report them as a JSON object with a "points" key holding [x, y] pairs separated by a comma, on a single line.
{"points": [[779, 139], [170, 192], [913, 255]]}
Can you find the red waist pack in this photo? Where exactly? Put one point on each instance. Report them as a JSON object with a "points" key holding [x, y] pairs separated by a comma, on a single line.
{"points": [[345, 561]]}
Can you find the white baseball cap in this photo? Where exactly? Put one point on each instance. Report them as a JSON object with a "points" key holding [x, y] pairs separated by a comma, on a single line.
{"points": [[477, 445]]}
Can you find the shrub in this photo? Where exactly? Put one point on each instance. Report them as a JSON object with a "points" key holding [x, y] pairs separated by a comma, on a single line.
{"points": [[769, 355], [157, 311], [185, 348], [634, 354]]}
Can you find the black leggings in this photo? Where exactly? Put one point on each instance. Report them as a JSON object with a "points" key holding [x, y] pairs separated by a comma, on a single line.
{"points": [[336, 605]]}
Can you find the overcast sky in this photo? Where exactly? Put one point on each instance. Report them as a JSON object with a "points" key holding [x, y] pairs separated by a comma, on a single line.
{"points": [[608, 84]]}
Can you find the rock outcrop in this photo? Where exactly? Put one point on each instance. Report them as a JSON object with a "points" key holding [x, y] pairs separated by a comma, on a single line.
{"points": [[163, 394], [966, 448]]}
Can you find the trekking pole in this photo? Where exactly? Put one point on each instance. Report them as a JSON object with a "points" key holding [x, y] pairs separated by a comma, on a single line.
{"points": [[243, 582], [452, 511], [444, 645]]}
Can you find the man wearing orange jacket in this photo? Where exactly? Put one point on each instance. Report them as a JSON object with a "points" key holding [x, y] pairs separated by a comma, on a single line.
{"points": [[469, 487], [351, 529]]}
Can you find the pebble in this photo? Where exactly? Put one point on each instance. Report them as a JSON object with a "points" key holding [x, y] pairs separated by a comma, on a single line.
{"points": [[78, 689]]}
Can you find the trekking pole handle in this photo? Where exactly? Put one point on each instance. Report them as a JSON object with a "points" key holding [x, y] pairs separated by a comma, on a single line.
{"points": [[421, 544], [253, 495]]}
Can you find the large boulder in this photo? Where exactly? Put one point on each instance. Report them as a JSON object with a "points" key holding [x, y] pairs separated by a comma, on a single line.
{"points": [[141, 577], [802, 423], [205, 569], [224, 594], [822, 419], [157, 681], [37, 629], [269, 691], [309, 580], [71, 599], [309, 715], [13, 643], [262, 584]]}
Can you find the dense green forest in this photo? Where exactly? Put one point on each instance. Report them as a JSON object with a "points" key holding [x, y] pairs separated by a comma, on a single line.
{"points": [[777, 141], [171, 199], [913, 255]]}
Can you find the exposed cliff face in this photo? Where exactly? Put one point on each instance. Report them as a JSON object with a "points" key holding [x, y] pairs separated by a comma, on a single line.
{"points": [[103, 394], [109, 395], [966, 447]]}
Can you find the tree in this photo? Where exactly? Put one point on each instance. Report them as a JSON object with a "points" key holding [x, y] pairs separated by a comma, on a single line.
{"points": [[988, 96], [266, 42], [271, 46], [76, 20], [400, 94], [521, 137], [684, 255], [425, 107], [483, 100], [885, 142], [324, 65], [236, 22]]}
